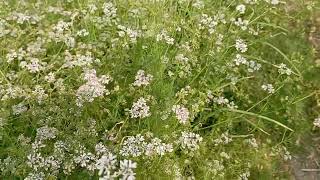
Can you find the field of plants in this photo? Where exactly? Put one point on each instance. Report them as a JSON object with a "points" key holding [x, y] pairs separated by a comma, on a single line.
{"points": [[160, 89]]}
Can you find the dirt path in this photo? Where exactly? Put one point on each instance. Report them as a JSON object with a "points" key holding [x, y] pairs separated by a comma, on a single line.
{"points": [[305, 165]]}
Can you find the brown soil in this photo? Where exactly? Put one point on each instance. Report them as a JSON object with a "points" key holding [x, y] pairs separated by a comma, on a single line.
{"points": [[306, 165]]}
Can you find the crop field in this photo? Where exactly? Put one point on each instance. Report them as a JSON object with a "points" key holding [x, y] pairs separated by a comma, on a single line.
{"points": [[160, 89]]}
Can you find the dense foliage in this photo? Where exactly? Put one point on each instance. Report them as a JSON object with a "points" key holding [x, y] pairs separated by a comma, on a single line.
{"points": [[154, 89]]}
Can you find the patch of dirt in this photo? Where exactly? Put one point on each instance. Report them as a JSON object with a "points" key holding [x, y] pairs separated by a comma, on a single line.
{"points": [[306, 164], [314, 36]]}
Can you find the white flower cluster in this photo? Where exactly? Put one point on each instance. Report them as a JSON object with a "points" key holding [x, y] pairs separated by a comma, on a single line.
{"points": [[185, 64], [241, 46], [19, 108], [190, 141], [184, 93], [130, 33], [252, 142], [80, 60], [140, 109], [241, 8], [216, 168], [12, 55], [35, 176], [4, 28], [93, 88], [225, 155], [59, 11], [12, 92], [225, 138], [142, 79], [50, 78], [251, 1], [273, 2], [33, 65], [243, 24], [22, 18], [244, 176], [109, 10], [240, 60], [268, 87], [223, 101], [36, 160], [82, 33], [39, 93], [163, 35], [45, 133], [61, 33], [208, 22], [126, 170], [26, 56], [182, 113], [106, 163], [198, 4], [286, 154], [181, 58], [251, 65], [283, 69], [316, 122], [137, 145]]}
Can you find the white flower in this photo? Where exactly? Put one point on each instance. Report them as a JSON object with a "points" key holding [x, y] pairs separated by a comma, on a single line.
{"points": [[316, 122], [283, 69], [225, 138], [106, 164], [140, 109], [33, 65], [131, 34], [241, 8], [93, 88], [35, 176], [244, 176], [273, 2], [142, 79], [208, 22], [109, 10], [133, 146], [190, 141], [243, 24], [82, 33], [19, 108], [240, 60], [182, 113], [253, 66], [136, 146], [126, 169], [252, 142], [198, 4], [50, 78], [225, 155], [268, 87], [251, 1], [101, 149], [163, 35], [46, 132], [156, 146], [241, 45], [83, 158]]}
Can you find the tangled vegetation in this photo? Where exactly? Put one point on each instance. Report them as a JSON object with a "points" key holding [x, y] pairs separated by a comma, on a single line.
{"points": [[155, 89]]}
